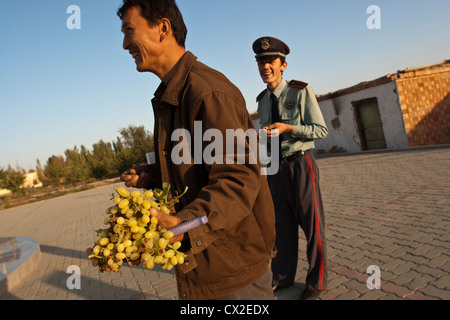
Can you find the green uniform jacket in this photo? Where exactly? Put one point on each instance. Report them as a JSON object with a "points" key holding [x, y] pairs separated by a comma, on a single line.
{"points": [[234, 249], [298, 107]]}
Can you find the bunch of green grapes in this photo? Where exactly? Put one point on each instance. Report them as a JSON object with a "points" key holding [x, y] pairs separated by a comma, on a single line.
{"points": [[133, 235]]}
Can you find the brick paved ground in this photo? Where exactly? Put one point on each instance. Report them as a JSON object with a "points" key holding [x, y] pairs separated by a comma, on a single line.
{"points": [[388, 209]]}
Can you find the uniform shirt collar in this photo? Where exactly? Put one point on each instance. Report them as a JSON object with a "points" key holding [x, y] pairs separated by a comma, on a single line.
{"points": [[279, 89]]}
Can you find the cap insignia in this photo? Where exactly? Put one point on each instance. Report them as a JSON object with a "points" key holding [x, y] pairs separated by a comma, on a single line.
{"points": [[265, 44]]}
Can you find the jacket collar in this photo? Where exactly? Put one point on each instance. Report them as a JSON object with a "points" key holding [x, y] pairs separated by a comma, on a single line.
{"points": [[170, 93]]}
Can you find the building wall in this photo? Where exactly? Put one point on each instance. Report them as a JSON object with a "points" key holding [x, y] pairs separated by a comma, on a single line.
{"points": [[425, 103], [339, 115]]}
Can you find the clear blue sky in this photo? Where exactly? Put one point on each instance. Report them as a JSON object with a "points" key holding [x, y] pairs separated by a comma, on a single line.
{"points": [[61, 88]]}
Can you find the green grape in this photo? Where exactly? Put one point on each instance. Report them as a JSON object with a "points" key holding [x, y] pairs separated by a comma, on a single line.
{"points": [[114, 210], [114, 238], [132, 222], [169, 266], [134, 229], [128, 250], [180, 257], [165, 209], [120, 220], [96, 249], [123, 192], [106, 252], [123, 203], [127, 243], [146, 204], [169, 253], [149, 264], [104, 241], [115, 267], [154, 204], [120, 255], [173, 260], [162, 243], [176, 245], [138, 236], [154, 220], [117, 228], [145, 219], [158, 259], [135, 255], [146, 257], [148, 193], [103, 233], [141, 230], [120, 247], [129, 213], [135, 194], [150, 234], [168, 235], [148, 243]]}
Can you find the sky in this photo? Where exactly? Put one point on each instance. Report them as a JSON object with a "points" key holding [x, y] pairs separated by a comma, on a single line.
{"points": [[64, 87]]}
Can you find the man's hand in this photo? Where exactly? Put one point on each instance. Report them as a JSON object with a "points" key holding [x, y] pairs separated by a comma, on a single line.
{"points": [[281, 127], [137, 177], [167, 221]]}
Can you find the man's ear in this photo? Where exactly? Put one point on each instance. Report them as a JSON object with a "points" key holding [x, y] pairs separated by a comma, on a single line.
{"points": [[284, 66], [165, 29]]}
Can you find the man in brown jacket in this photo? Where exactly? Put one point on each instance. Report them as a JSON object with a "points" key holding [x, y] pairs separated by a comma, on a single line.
{"points": [[228, 258]]}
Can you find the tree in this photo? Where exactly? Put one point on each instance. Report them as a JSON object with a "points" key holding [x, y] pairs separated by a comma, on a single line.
{"points": [[55, 169], [131, 149], [77, 167], [101, 159], [12, 179], [40, 172]]}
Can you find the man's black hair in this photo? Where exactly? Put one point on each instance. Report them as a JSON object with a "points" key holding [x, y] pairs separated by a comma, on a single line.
{"points": [[155, 10]]}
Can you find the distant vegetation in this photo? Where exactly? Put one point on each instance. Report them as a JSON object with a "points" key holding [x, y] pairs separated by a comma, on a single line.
{"points": [[79, 166]]}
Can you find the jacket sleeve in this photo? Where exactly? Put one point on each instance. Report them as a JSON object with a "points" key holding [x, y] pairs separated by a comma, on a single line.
{"points": [[312, 125], [233, 184]]}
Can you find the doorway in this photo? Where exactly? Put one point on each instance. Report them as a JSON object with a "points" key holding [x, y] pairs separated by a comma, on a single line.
{"points": [[369, 124]]}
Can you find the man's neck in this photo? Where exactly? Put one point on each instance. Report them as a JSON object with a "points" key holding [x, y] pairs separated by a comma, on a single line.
{"points": [[272, 86], [167, 71]]}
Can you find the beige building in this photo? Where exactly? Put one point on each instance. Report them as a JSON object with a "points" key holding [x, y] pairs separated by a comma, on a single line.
{"points": [[31, 181]]}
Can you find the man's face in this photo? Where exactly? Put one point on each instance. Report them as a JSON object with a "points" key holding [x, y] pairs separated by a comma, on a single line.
{"points": [[271, 71], [141, 40]]}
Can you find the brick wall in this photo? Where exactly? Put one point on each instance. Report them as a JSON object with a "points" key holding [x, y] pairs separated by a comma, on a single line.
{"points": [[424, 95]]}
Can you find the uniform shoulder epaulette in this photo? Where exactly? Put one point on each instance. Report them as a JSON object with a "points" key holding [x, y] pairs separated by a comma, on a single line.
{"points": [[261, 95], [298, 84]]}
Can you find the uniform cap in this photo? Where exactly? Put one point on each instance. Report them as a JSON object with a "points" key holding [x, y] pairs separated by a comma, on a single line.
{"points": [[269, 47]]}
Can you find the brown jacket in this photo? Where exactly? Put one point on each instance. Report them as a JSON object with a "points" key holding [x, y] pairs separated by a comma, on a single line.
{"points": [[233, 250]]}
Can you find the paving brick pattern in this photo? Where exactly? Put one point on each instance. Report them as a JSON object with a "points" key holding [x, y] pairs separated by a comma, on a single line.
{"points": [[388, 209]]}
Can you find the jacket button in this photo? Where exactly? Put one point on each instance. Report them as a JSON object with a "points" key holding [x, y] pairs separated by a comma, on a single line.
{"points": [[186, 262], [199, 243], [183, 295]]}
